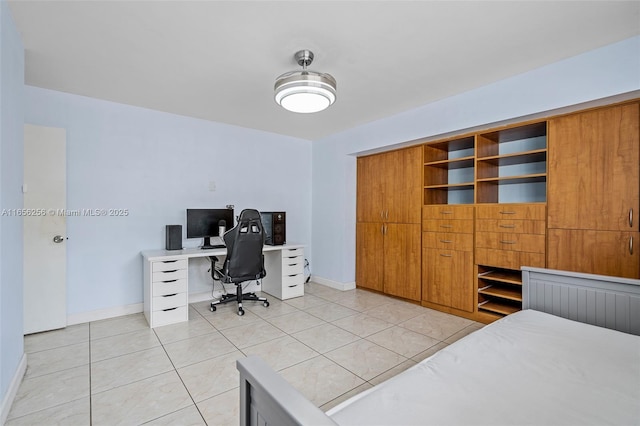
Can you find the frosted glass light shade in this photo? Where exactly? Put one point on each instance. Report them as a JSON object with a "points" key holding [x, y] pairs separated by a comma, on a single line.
{"points": [[305, 91]]}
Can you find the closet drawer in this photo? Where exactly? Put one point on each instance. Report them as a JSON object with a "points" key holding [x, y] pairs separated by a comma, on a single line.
{"points": [[172, 300], [511, 226], [460, 226], [447, 212], [170, 316], [169, 275], [169, 287], [509, 259], [169, 265], [448, 241], [514, 242], [511, 211]]}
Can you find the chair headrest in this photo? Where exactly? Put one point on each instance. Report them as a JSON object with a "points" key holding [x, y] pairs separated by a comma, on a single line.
{"points": [[249, 214]]}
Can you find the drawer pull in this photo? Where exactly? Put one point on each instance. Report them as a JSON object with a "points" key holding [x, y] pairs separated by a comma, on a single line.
{"points": [[293, 275], [507, 226], [169, 261], [170, 281], [170, 295], [169, 272], [507, 212], [507, 242], [446, 241], [631, 245], [170, 309], [292, 286], [445, 255], [446, 212], [446, 226]]}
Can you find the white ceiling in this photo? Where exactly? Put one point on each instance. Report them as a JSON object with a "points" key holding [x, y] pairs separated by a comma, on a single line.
{"points": [[218, 60]]}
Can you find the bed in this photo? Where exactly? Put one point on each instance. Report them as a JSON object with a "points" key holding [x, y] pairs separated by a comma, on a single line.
{"points": [[571, 356]]}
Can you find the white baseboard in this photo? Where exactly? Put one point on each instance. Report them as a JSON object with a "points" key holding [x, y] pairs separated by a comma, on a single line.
{"points": [[333, 284], [106, 313], [12, 390]]}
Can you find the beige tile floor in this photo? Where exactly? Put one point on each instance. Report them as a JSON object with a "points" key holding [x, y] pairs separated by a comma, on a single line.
{"points": [[329, 344]]}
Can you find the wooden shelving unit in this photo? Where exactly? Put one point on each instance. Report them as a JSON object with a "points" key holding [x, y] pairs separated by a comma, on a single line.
{"points": [[449, 171], [510, 156], [499, 290]]}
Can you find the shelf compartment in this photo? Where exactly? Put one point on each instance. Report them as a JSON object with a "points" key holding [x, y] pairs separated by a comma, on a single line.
{"points": [[456, 163], [502, 275], [503, 292], [506, 180], [534, 156], [452, 186], [498, 308]]}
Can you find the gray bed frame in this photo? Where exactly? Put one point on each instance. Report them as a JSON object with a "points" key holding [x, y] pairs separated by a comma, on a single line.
{"points": [[610, 302]]}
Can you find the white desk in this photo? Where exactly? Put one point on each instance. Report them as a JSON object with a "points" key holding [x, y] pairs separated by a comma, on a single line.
{"points": [[166, 273]]}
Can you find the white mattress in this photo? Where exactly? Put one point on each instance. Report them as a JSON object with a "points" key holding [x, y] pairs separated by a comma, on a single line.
{"points": [[527, 368]]}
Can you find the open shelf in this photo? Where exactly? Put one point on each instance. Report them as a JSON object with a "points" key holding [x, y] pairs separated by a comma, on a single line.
{"points": [[534, 156], [503, 292], [502, 275], [499, 308], [456, 163], [452, 186], [505, 180], [448, 172]]}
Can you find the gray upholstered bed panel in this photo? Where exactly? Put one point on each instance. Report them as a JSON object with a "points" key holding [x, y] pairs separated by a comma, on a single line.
{"points": [[609, 302]]}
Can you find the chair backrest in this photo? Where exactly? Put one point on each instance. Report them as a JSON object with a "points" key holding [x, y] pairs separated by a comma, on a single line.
{"points": [[244, 242]]}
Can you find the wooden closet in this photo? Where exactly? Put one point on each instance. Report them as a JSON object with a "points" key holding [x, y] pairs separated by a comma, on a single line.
{"points": [[388, 223], [594, 191]]}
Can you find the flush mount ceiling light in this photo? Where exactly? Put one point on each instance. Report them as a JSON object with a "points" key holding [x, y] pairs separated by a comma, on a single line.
{"points": [[305, 91]]}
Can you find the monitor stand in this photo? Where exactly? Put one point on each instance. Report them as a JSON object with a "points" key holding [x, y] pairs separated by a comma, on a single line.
{"points": [[207, 244]]}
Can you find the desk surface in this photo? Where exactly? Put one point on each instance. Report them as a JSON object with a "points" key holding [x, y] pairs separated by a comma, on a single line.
{"points": [[187, 253]]}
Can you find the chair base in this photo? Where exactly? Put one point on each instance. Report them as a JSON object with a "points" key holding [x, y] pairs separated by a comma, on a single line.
{"points": [[239, 297]]}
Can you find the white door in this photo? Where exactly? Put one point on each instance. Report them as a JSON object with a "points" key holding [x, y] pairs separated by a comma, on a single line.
{"points": [[45, 229]]}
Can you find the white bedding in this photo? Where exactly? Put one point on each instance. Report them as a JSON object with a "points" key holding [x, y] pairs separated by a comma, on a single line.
{"points": [[527, 368]]}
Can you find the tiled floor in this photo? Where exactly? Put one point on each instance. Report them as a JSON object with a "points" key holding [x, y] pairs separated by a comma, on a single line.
{"points": [[329, 344]]}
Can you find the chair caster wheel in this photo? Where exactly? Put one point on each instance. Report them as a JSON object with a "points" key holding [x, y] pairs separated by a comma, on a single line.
{"points": [[266, 304], [241, 312], [213, 308]]}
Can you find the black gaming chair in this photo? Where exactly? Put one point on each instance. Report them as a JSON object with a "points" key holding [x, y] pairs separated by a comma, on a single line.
{"points": [[244, 262]]}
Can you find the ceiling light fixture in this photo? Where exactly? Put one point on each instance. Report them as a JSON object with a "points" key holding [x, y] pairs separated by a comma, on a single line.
{"points": [[305, 91]]}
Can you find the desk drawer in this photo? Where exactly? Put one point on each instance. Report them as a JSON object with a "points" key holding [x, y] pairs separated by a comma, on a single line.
{"points": [[169, 275], [169, 287], [292, 268], [293, 252], [169, 265], [170, 316], [292, 290], [512, 211], [172, 300]]}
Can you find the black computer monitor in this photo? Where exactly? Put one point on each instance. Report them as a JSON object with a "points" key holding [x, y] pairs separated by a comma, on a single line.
{"points": [[204, 223]]}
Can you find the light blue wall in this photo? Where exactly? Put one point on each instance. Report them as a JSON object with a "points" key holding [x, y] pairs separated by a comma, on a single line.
{"points": [[11, 171], [156, 165], [608, 71]]}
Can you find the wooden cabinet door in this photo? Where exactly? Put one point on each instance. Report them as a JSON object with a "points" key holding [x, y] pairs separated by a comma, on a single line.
{"points": [[369, 191], [595, 252], [594, 162], [402, 260], [369, 255], [403, 185], [447, 278]]}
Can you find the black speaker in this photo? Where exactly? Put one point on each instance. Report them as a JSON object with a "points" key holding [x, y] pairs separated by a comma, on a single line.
{"points": [[174, 237], [275, 227]]}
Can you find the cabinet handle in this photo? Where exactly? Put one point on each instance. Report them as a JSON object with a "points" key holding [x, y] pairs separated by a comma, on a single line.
{"points": [[631, 218], [169, 261], [170, 281], [507, 212], [631, 245], [292, 286], [170, 295], [445, 255], [507, 242], [168, 272], [507, 226], [446, 212], [381, 214], [382, 229], [446, 241], [386, 215], [170, 309], [446, 226], [385, 229]]}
